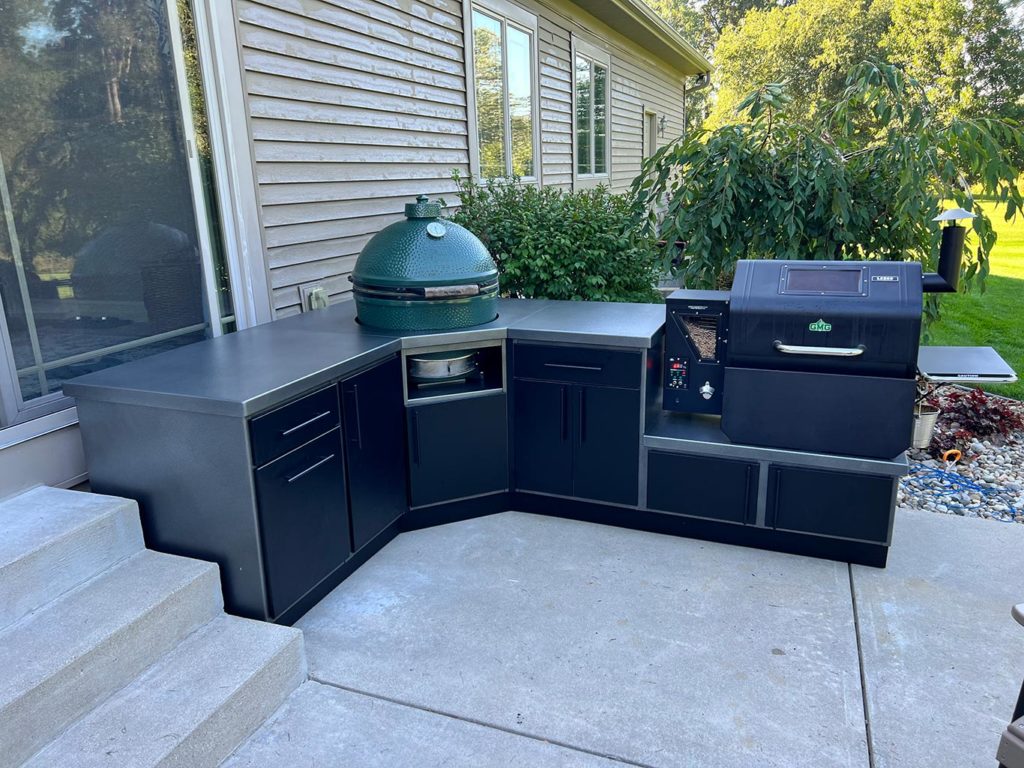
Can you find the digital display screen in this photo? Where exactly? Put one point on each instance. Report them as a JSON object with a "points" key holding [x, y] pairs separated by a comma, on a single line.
{"points": [[823, 280]]}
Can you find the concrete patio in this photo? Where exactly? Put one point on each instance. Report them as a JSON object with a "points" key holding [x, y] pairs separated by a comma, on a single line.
{"points": [[525, 640]]}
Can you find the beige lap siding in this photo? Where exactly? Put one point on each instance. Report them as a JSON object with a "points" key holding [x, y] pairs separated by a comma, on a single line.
{"points": [[639, 88], [355, 107]]}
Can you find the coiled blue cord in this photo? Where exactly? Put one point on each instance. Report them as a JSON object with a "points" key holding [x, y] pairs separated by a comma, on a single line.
{"points": [[957, 484]]}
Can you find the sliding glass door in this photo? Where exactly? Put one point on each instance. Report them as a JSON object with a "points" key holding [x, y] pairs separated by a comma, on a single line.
{"points": [[109, 244]]}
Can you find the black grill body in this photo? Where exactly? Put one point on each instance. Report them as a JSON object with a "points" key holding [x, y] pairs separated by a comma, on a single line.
{"points": [[823, 356], [696, 334]]}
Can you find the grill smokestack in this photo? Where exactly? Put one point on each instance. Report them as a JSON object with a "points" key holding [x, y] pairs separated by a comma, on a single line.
{"points": [[951, 253]]}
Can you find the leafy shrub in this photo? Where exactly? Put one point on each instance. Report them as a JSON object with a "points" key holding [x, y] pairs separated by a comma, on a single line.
{"points": [[972, 415], [553, 244], [862, 179]]}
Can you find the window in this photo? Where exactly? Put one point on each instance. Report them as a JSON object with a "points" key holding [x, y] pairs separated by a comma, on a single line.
{"points": [[503, 90], [108, 251], [591, 81]]}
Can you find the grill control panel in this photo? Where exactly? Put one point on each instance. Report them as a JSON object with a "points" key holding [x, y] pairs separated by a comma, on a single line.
{"points": [[677, 373], [696, 334]]}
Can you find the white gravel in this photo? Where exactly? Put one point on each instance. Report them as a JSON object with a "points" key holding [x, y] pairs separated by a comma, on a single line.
{"points": [[987, 482]]}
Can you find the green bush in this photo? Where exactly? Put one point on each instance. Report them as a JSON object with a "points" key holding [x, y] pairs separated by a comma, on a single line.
{"points": [[553, 244]]}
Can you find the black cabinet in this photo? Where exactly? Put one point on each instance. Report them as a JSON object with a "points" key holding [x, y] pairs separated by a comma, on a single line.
{"points": [[572, 438], [841, 504], [542, 437], [303, 519], [457, 448], [606, 461], [702, 486], [374, 420]]}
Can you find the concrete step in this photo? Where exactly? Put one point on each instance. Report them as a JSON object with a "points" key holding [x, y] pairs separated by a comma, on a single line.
{"points": [[53, 540], [194, 706], [61, 661]]}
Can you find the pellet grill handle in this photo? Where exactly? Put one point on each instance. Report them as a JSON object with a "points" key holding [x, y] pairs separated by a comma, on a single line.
{"points": [[796, 349]]}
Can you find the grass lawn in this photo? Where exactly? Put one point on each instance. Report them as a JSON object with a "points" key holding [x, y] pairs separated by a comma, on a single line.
{"points": [[994, 318]]}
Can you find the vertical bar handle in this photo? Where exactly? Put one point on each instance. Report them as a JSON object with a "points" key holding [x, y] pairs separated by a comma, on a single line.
{"points": [[563, 399], [415, 424], [746, 494], [583, 414], [359, 420]]}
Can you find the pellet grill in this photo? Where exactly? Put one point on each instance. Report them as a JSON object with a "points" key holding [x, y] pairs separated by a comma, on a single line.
{"points": [[823, 356], [816, 356]]}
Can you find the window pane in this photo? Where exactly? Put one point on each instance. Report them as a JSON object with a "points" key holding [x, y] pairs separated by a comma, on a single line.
{"points": [[99, 256], [520, 101], [490, 94], [600, 119], [583, 92]]}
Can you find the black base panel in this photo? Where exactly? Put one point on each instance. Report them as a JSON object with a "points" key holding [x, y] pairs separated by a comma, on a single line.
{"points": [[859, 553], [338, 575], [456, 511]]}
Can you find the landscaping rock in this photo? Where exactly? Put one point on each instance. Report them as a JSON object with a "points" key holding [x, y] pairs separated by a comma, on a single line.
{"points": [[986, 482]]}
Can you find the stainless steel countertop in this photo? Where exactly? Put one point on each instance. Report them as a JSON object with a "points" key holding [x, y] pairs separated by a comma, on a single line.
{"points": [[243, 373]]}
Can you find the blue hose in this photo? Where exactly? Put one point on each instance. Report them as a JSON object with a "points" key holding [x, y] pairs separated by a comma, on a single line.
{"points": [[957, 484]]}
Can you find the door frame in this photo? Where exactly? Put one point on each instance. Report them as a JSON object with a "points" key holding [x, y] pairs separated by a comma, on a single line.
{"points": [[237, 207]]}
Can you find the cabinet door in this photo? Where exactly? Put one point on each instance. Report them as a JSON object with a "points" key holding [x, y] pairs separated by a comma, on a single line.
{"points": [[703, 486], [374, 419], [457, 449], [606, 461], [542, 448], [303, 519], [842, 504]]}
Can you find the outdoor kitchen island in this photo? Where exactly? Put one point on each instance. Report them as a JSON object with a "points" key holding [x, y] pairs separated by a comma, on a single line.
{"points": [[291, 452]]}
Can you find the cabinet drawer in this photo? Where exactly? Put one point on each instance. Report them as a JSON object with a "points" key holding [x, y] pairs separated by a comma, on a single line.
{"points": [[275, 433], [702, 486], [582, 365], [841, 504], [303, 519]]}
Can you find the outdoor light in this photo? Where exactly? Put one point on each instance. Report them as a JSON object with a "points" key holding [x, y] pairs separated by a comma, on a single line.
{"points": [[662, 121], [951, 251]]}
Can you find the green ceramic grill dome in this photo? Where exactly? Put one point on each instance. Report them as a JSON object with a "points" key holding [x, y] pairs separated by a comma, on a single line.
{"points": [[425, 274]]}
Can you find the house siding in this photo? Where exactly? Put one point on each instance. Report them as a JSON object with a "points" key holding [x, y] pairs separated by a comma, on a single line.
{"points": [[357, 106]]}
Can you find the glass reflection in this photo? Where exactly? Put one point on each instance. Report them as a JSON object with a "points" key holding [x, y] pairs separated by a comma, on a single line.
{"points": [[99, 257], [520, 101], [583, 100], [490, 93]]}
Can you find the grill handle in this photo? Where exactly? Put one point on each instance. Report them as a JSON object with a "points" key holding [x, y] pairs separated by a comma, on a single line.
{"points": [[796, 349]]}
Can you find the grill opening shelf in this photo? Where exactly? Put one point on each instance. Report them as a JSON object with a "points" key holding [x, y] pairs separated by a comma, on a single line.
{"points": [[478, 369]]}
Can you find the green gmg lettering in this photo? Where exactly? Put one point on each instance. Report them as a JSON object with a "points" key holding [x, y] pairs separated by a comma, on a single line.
{"points": [[820, 326]]}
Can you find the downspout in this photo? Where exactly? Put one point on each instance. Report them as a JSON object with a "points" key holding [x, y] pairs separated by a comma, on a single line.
{"points": [[703, 81]]}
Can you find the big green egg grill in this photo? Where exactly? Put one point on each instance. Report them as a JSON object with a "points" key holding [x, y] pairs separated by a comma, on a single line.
{"points": [[425, 273]]}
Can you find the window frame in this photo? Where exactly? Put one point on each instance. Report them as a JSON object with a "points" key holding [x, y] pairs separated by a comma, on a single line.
{"points": [[597, 56], [507, 14]]}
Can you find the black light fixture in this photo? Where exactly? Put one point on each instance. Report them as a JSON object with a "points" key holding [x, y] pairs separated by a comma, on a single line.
{"points": [[661, 126]]}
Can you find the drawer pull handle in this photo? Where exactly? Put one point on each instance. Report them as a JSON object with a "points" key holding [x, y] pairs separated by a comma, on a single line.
{"points": [[306, 423], [307, 470], [575, 367]]}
